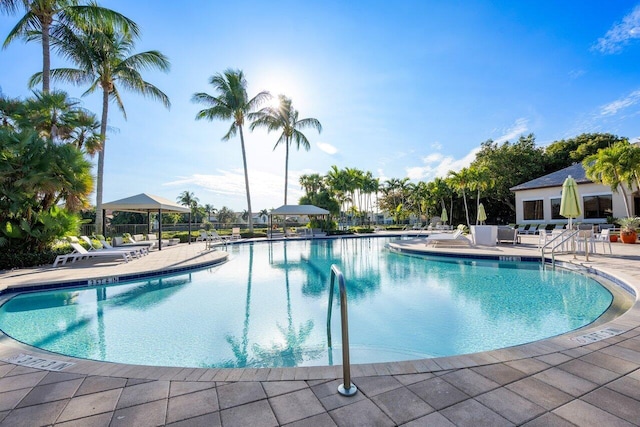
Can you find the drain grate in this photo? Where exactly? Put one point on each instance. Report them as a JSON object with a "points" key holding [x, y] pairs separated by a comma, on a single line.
{"points": [[597, 335], [38, 362]]}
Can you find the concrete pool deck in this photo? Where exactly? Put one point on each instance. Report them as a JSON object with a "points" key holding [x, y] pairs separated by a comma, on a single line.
{"points": [[587, 377]]}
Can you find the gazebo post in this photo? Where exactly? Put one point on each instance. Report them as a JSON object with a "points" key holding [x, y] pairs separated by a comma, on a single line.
{"points": [[160, 229], [189, 228], [104, 223]]}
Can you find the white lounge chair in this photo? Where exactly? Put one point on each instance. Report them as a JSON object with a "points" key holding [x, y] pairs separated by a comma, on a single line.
{"points": [[235, 233], [447, 238], [137, 250], [81, 253], [119, 242]]}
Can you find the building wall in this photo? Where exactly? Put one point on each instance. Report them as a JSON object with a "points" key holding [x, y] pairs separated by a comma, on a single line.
{"points": [[546, 194]]}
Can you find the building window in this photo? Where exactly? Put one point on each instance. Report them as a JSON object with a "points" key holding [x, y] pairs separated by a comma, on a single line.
{"points": [[598, 207], [533, 210], [555, 209]]}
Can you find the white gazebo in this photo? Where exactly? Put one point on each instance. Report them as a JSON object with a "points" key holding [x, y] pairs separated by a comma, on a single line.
{"points": [[146, 203]]}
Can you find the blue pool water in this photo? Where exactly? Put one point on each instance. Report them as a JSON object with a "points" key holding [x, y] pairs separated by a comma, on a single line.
{"points": [[267, 306]]}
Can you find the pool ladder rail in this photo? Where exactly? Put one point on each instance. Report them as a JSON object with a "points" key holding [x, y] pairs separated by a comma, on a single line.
{"points": [[346, 388]]}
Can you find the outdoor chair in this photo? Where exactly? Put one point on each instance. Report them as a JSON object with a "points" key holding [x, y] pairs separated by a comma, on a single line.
{"points": [[82, 253], [603, 237], [447, 239], [139, 250], [235, 233]]}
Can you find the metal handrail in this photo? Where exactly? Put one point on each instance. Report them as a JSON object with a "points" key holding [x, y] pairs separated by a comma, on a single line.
{"points": [[346, 388], [565, 236]]}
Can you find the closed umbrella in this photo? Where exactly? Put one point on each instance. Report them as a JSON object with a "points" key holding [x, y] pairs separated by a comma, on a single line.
{"points": [[444, 216], [482, 215], [570, 201]]}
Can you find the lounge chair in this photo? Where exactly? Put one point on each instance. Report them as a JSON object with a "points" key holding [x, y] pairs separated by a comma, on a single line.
{"points": [[81, 253], [235, 233], [153, 238], [119, 242], [212, 238], [138, 250], [447, 238]]}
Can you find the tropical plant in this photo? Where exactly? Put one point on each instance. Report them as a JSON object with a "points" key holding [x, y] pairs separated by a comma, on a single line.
{"points": [[285, 118], [611, 166], [226, 216], [105, 61], [629, 223], [43, 18], [231, 102], [37, 178]]}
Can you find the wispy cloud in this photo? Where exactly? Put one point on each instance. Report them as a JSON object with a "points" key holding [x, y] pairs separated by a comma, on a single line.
{"points": [[520, 127], [620, 34], [228, 187], [438, 165], [620, 104], [575, 74], [327, 148]]}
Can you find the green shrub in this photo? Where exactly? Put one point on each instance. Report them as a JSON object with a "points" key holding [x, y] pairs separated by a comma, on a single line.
{"points": [[10, 259], [362, 230]]}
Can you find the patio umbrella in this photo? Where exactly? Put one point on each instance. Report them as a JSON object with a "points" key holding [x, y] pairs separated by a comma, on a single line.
{"points": [[444, 216], [482, 215], [570, 201]]}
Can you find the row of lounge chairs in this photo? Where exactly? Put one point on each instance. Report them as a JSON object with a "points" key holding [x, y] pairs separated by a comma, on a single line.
{"points": [[108, 251]]}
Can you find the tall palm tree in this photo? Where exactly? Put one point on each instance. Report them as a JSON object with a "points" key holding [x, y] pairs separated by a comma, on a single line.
{"points": [[285, 118], [231, 102], [189, 199], [461, 181], [105, 61], [46, 17]]}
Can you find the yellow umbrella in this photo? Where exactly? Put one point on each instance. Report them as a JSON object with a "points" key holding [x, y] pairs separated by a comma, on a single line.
{"points": [[570, 201], [482, 215], [444, 216]]}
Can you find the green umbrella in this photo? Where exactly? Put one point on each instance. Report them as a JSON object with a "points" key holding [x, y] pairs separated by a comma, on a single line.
{"points": [[482, 215], [444, 216], [570, 201]]}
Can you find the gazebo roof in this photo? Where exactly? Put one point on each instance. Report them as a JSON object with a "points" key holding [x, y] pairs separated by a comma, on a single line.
{"points": [[299, 210], [144, 203]]}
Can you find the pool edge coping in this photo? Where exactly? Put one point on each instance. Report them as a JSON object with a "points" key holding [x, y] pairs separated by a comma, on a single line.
{"points": [[558, 344]]}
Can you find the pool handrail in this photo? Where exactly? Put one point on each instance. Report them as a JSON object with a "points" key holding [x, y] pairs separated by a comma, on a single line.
{"points": [[346, 388]]}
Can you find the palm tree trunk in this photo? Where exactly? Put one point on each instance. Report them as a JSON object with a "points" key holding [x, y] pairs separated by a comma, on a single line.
{"points": [[46, 57], [466, 208], [246, 179], [626, 201], [100, 178], [286, 170]]}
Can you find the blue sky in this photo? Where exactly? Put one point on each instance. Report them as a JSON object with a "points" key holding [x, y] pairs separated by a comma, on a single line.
{"points": [[402, 89]]}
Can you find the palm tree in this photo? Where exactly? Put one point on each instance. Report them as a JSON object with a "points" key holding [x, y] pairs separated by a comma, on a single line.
{"points": [[285, 118], [46, 17], [231, 102], [188, 199], [105, 61], [461, 181], [210, 210], [611, 166]]}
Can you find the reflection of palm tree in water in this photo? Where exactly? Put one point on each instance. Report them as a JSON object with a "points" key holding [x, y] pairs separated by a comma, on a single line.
{"points": [[239, 348], [294, 351]]}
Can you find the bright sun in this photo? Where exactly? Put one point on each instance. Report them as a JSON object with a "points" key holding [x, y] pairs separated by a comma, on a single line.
{"points": [[281, 82]]}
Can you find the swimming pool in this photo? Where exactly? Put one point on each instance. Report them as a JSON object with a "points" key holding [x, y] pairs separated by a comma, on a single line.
{"points": [[267, 307]]}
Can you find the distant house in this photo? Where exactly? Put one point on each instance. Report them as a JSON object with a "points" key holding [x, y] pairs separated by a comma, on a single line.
{"points": [[538, 201]]}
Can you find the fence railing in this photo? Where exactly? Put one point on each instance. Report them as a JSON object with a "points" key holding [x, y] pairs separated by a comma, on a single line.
{"points": [[119, 229]]}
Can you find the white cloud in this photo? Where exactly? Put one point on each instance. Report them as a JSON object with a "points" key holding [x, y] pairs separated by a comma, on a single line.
{"points": [[620, 34], [518, 128], [574, 74], [437, 165], [228, 188], [620, 104], [436, 146], [327, 148]]}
